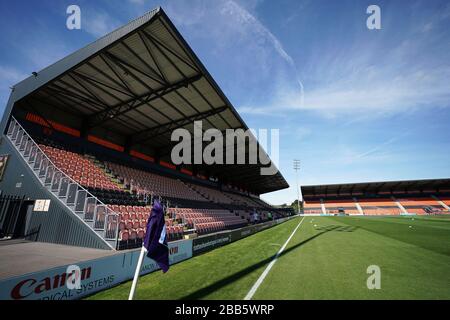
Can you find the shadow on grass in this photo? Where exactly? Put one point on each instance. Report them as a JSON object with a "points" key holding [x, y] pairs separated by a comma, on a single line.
{"points": [[236, 276], [422, 235], [338, 228]]}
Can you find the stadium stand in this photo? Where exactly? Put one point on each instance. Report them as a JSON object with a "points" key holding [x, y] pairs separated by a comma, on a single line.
{"points": [[312, 207], [416, 197], [420, 206], [341, 206], [445, 200], [122, 188], [379, 206], [92, 132]]}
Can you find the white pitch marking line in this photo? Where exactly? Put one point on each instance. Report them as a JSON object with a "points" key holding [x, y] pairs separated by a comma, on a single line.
{"points": [[261, 278]]}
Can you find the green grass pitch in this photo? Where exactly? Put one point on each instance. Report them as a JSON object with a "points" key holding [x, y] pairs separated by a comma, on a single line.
{"points": [[327, 258]]}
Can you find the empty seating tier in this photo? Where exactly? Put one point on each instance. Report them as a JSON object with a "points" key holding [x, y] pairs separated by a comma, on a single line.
{"points": [[213, 195], [81, 169], [341, 206], [133, 222], [421, 206], [145, 182], [379, 206], [121, 188], [207, 220], [117, 197], [312, 207]]}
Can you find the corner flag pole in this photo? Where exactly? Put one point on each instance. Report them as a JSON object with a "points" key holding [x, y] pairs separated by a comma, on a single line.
{"points": [[136, 274]]}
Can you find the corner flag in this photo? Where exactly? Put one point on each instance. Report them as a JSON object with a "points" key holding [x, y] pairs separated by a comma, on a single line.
{"points": [[155, 240], [155, 244]]}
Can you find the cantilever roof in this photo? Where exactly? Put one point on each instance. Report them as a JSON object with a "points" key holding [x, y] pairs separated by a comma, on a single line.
{"points": [[405, 186], [136, 85]]}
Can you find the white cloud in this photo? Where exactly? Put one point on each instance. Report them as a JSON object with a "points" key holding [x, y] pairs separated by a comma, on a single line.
{"points": [[254, 28], [376, 149], [367, 75], [249, 23], [413, 89], [10, 76], [259, 57], [98, 23], [45, 54], [383, 88], [261, 112]]}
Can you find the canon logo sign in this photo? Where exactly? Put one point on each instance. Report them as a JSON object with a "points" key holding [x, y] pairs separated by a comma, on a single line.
{"points": [[29, 286]]}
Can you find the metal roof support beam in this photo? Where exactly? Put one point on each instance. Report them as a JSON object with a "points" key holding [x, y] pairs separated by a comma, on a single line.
{"points": [[128, 70], [76, 91], [191, 105], [66, 93], [89, 106], [63, 99], [153, 41], [123, 65], [174, 65], [130, 93], [118, 60], [93, 81], [120, 101], [154, 132], [210, 105], [155, 61], [173, 106], [56, 106], [92, 94], [159, 44], [125, 107], [81, 93], [145, 63], [120, 84], [122, 80], [185, 47]]}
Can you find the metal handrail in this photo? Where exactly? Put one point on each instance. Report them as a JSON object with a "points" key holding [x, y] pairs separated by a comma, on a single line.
{"points": [[113, 213]]}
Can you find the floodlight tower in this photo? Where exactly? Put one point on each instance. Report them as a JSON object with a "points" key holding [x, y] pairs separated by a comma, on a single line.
{"points": [[297, 168]]}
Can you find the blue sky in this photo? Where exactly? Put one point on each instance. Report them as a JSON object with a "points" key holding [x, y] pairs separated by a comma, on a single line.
{"points": [[353, 104]]}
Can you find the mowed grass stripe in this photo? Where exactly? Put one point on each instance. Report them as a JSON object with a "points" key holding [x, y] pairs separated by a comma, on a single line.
{"points": [[225, 273], [329, 261], [429, 222], [431, 235]]}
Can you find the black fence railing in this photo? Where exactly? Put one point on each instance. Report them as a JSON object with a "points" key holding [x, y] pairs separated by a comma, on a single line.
{"points": [[13, 211]]}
